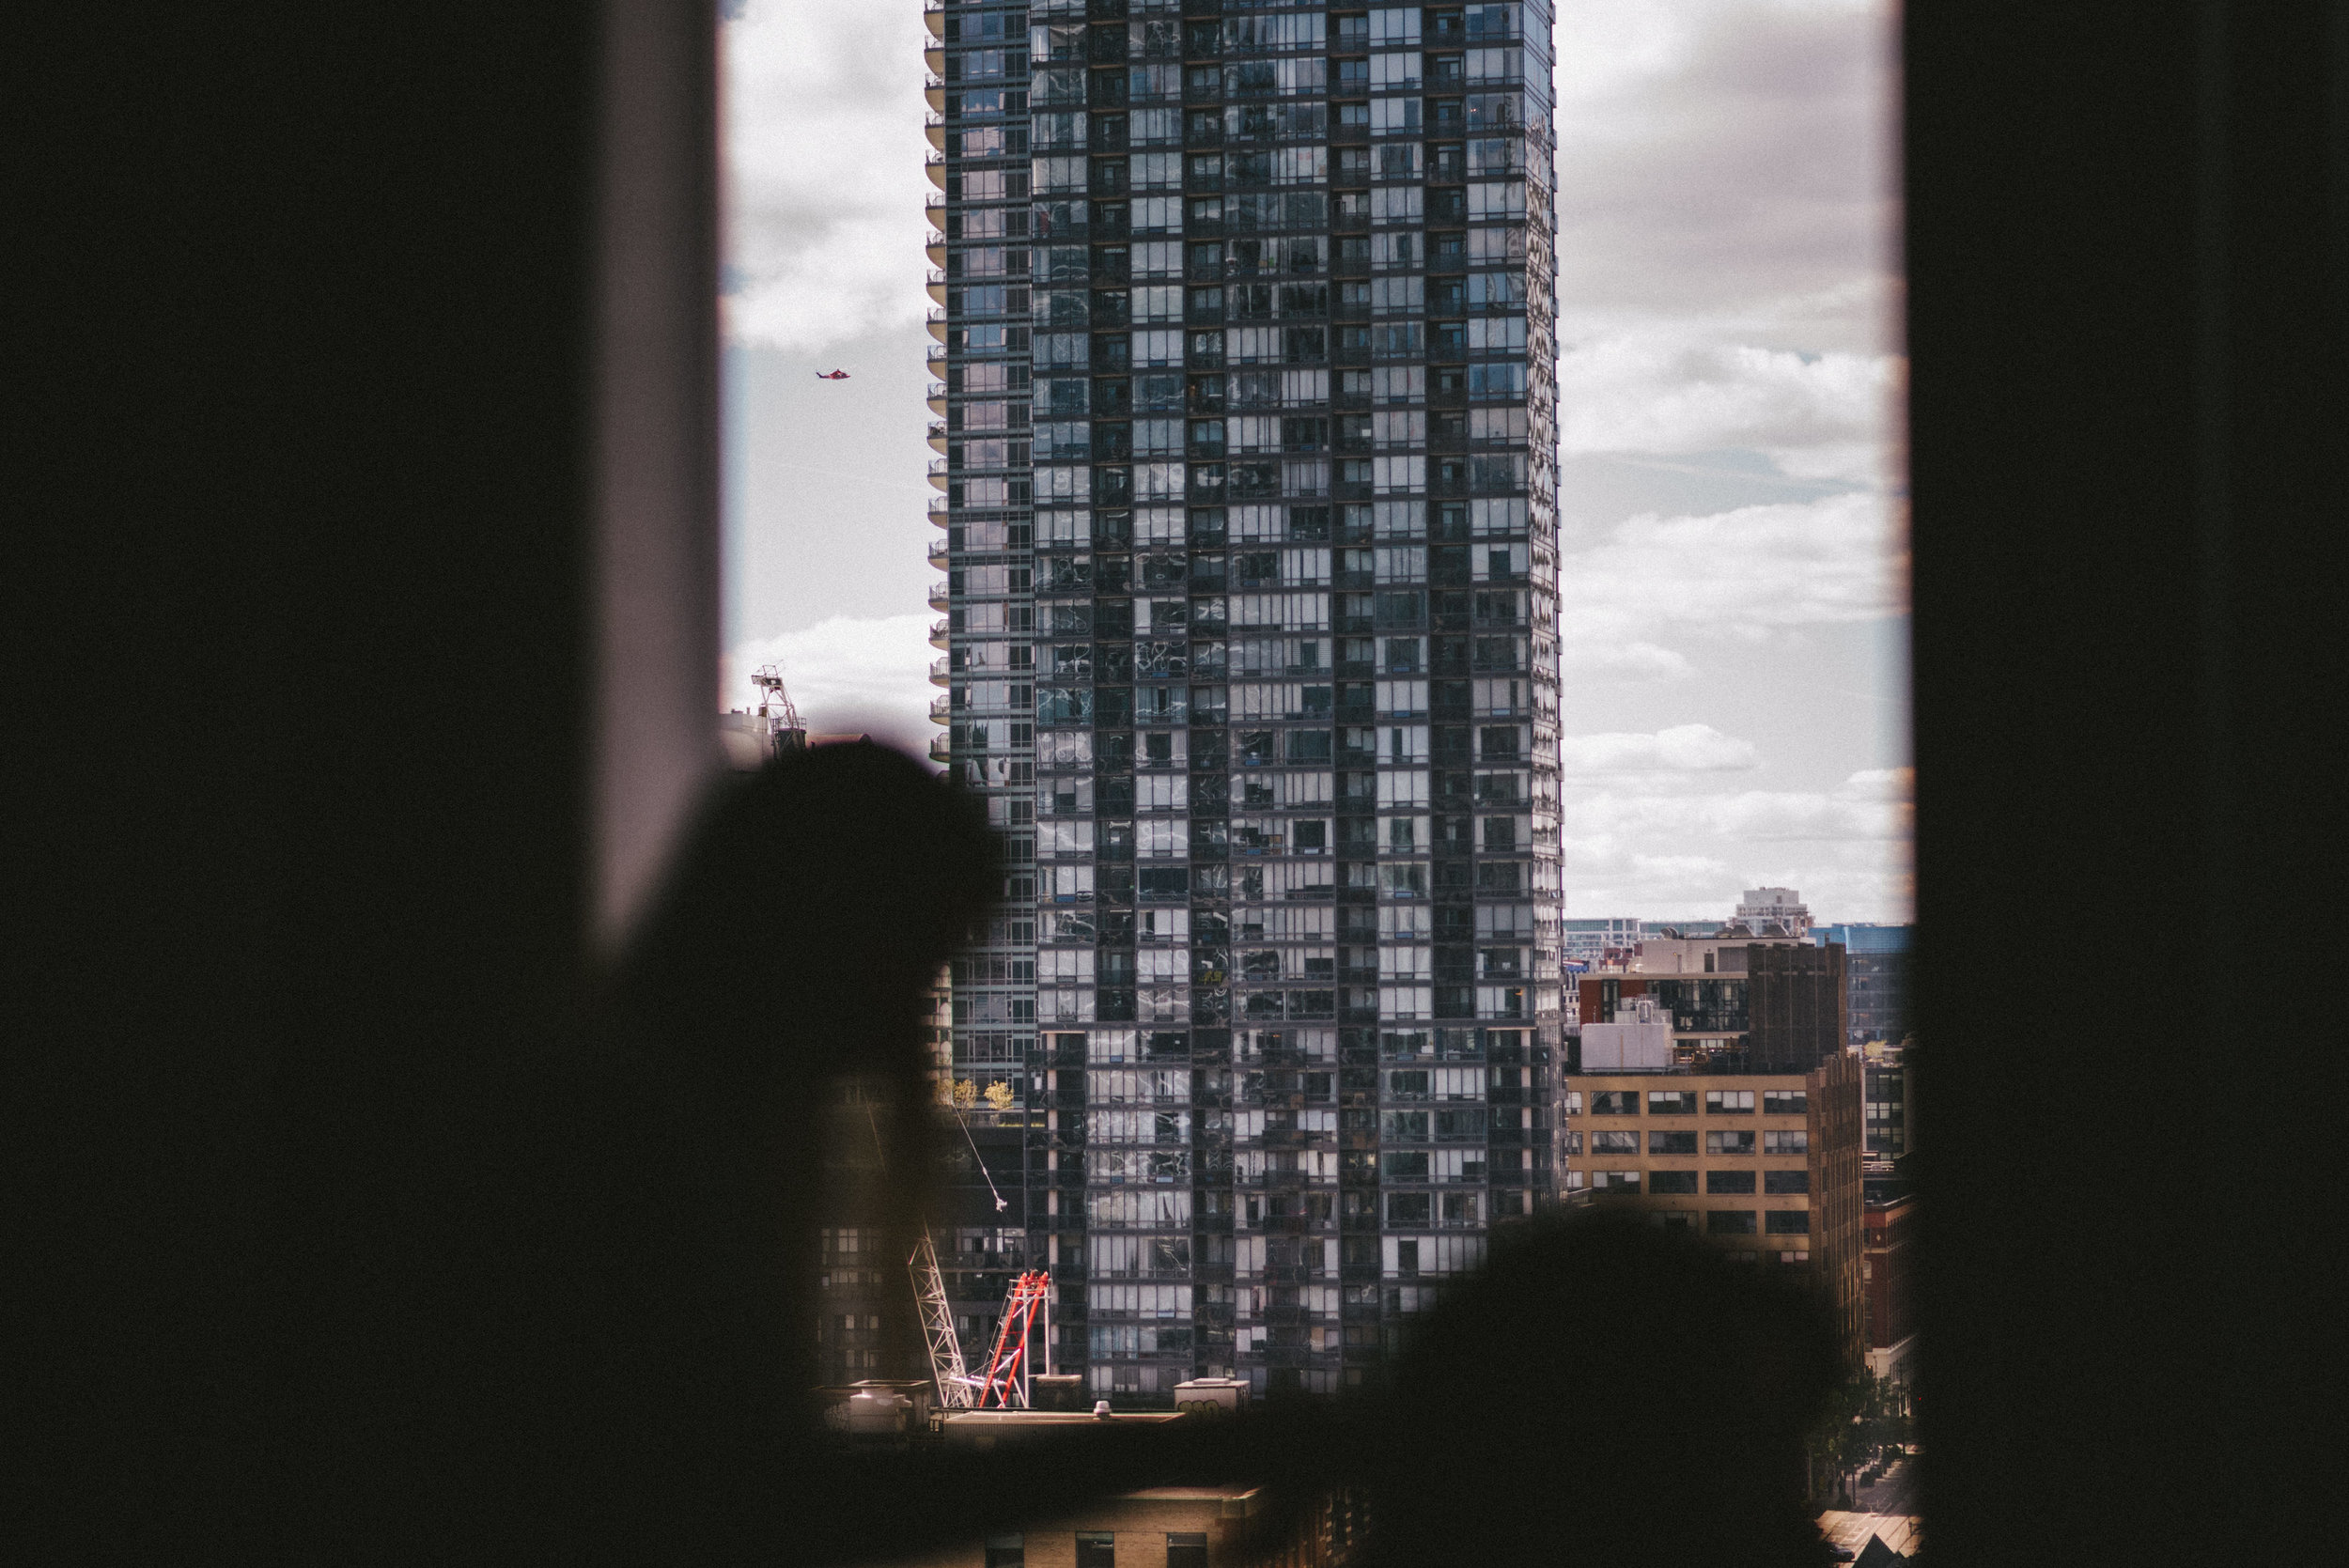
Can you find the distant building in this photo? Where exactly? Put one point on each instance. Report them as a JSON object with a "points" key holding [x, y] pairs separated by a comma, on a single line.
{"points": [[1763, 908], [1767, 1165], [1737, 1001], [1593, 940], [1686, 927], [1180, 1526], [1884, 1274], [1878, 961], [1887, 1100]]}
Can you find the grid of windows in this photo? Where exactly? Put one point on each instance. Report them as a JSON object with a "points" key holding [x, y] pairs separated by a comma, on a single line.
{"points": [[1249, 639]]}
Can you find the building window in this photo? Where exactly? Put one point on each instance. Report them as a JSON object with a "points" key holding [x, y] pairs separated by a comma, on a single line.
{"points": [[1786, 1181], [1785, 1102], [1671, 1181], [1615, 1102], [1615, 1143], [1006, 1551], [1186, 1550], [1098, 1548], [1729, 1102], [1728, 1181], [1671, 1142], [1796, 1142], [1788, 1223], [1729, 1143], [1671, 1102], [1717, 1222]]}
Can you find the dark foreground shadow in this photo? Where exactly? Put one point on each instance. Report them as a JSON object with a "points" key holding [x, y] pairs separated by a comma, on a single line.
{"points": [[1599, 1392]]}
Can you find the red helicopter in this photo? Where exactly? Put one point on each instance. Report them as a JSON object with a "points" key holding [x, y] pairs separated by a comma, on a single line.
{"points": [[832, 375]]}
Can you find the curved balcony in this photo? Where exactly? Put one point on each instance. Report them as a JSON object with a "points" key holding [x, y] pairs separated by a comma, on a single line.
{"points": [[937, 323], [941, 748], [939, 632], [937, 437], [938, 595], [938, 672], [938, 553], [934, 127], [938, 507], [941, 709], [934, 164], [937, 398], [936, 61]]}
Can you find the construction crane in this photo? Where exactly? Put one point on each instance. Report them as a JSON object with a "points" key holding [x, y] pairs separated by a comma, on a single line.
{"points": [[1006, 1376], [775, 706], [956, 1389]]}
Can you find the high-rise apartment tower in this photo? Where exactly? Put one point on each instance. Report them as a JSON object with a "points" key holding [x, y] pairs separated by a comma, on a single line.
{"points": [[1246, 417]]}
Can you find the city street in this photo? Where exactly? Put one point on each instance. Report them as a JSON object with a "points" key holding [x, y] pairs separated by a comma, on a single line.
{"points": [[1891, 1491]]}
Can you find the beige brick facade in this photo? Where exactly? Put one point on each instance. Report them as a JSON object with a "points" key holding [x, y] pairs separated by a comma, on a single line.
{"points": [[1702, 1150]]}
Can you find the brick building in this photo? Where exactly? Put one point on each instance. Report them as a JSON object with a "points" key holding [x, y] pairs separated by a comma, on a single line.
{"points": [[1767, 1165]]}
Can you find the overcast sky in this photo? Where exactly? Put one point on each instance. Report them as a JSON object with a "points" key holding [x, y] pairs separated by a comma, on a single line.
{"points": [[1732, 482]]}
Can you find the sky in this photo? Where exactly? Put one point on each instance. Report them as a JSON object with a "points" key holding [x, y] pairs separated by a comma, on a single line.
{"points": [[1732, 485]]}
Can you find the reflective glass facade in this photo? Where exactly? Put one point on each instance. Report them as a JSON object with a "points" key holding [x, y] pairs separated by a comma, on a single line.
{"points": [[1246, 421]]}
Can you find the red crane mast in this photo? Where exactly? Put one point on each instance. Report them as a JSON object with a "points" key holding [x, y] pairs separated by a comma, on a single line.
{"points": [[1006, 1368]]}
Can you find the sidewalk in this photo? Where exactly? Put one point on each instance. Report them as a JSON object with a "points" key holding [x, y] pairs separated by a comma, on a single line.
{"points": [[1883, 1510], [1890, 1494], [1902, 1533]]}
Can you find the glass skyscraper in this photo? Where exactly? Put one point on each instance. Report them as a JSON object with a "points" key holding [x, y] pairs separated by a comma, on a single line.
{"points": [[1246, 417]]}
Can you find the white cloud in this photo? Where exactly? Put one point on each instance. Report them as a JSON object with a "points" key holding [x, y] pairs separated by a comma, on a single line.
{"points": [[1715, 153], [1882, 783], [1683, 748], [826, 188], [1658, 847], [847, 675], [1673, 390], [1728, 209], [1745, 573], [1623, 663]]}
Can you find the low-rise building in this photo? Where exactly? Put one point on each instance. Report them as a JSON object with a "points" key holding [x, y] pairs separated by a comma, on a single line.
{"points": [[1766, 1165], [1761, 907], [1593, 939], [1884, 1274], [1159, 1527], [1736, 999]]}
